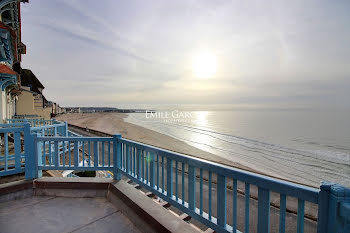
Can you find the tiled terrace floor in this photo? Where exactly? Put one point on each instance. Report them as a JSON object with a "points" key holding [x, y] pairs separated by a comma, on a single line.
{"points": [[62, 214]]}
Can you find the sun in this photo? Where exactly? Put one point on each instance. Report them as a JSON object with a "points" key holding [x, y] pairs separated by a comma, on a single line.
{"points": [[204, 65]]}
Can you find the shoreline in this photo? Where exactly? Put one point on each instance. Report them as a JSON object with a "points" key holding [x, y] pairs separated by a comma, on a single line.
{"points": [[113, 123]]}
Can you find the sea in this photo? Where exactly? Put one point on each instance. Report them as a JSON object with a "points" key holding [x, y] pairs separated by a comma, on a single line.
{"points": [[301, 145]]}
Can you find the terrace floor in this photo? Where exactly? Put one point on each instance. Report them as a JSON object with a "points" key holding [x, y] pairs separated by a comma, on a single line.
{"points": [[62, 214]]}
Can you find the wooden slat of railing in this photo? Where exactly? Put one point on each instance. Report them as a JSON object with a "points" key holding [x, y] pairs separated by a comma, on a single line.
{"points": [[103, 153], [300, 218], [17, 144], [209, 194], [163, 178], [247, 200], [183, 183], [56, 154], [191, 187], [50, 153], [44, 154], [221, 200], [201, 191], [177, 180], [89, 153], [158, 172], [83, 153], [169, 177], [70, 153], [127, 159], [109, 154], [152, 170], [64, 153], [142, 166], [263, 210], [234, 207], [283, 205], [6, 152], [138, 169], [134, 161], [131, 158], [76, 154], [122, 159], [146, 165], [96, 154]]}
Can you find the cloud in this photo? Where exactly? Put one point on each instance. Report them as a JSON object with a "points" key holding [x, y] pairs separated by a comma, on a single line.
{"points": [[93, 41], [121, 51]]}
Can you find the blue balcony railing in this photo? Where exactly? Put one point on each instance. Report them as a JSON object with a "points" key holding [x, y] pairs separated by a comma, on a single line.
{"points": [[34, 122], [14, 135], [165, 173], [12, 153]]}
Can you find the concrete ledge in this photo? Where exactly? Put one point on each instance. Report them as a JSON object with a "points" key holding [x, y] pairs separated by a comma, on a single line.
{"points": [[72, 187], [72, 183], [143, 210], [15, 186], [16, 190], [52, 192]]}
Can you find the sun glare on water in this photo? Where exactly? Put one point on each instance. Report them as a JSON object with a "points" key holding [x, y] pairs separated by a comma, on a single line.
{"points": [[204, 65]]}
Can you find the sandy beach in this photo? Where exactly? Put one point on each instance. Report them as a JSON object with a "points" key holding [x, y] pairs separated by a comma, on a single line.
{"points": [[113, 123]]}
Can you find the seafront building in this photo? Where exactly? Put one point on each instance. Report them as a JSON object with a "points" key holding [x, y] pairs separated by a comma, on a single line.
{"points": [[11, 50], [138, 187], [31, 100], [21, 91]]}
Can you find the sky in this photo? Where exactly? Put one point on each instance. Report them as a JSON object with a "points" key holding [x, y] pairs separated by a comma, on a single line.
{"points": [[274, 54]]}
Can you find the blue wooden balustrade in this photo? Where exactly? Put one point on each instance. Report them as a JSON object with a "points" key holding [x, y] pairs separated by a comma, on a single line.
{"points": [[12, 153], [178, 178], [27, 116], [34, 122]]}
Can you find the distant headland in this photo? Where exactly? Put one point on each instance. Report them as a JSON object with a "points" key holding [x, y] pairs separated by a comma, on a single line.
{"points": [[101, 109]]}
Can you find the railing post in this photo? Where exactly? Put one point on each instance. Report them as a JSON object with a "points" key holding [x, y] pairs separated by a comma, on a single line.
{"points": [[29, 153], [323, 199], [338, 219], [117, 156], [32, 155], [263, 210]]}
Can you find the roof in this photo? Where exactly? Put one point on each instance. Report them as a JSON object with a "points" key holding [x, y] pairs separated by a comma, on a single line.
{"points": [[28, 79], [4, 69]]}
